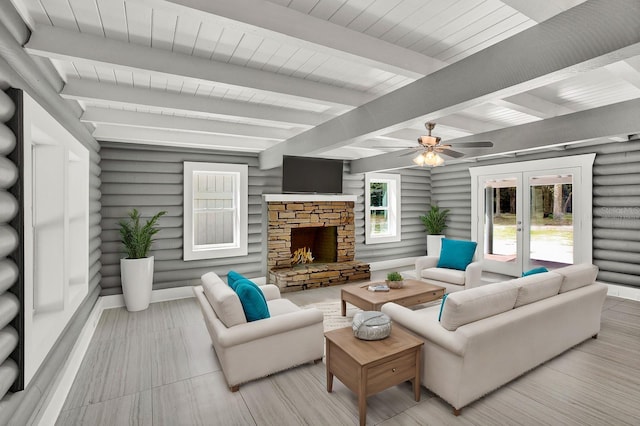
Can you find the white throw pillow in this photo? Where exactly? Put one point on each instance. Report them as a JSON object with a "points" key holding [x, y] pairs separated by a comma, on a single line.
{"points": [[576, 276], [224, 301]]}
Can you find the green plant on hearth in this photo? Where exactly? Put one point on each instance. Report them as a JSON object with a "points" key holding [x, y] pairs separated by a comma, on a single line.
{"points": [[137, 238], [435, 220], [394, 276]]}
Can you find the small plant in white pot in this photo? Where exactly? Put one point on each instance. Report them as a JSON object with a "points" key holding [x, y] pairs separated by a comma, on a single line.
{"points": [[435, 223], [136, 270], [395, 280]]}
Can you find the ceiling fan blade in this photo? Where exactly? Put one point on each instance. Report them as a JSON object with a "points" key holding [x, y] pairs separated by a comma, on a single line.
{"points": [[483, 144], [451, 153], [394, 147]]}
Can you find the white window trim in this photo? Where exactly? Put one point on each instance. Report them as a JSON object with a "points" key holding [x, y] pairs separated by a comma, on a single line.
{"points": [[394, 181], [221, 250]]}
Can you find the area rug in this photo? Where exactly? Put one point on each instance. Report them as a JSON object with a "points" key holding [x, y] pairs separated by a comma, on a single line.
{"points": [[333, 318]]}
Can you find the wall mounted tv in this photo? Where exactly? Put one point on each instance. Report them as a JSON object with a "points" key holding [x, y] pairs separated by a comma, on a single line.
{"points": [[311, 175]]}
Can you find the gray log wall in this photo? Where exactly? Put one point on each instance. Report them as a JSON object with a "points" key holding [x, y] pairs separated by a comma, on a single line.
{"points": [[616, 204], [415, 199], [10, 350], [150, 179]]}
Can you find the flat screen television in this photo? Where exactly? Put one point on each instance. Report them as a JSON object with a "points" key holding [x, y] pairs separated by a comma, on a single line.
{"points": [[311, 175]]}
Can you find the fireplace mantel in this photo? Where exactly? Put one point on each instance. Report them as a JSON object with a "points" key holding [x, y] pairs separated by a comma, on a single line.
{"points": [[308, 197]]}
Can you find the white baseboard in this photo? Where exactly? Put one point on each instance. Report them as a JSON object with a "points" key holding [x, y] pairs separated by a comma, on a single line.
{"points": [[623, 291], [62, 385], [162, 295], [393, 263]]}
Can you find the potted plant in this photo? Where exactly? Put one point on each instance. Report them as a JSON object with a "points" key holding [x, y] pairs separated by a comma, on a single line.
{"points": [[395, 280], [435, 223], [136, 270]]}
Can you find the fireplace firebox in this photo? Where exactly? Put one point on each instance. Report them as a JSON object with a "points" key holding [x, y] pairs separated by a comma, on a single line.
{"points": [[321, 240]]}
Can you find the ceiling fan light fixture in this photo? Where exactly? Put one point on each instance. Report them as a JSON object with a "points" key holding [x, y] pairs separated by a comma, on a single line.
{"points": [[432, 159], [428, 158]]}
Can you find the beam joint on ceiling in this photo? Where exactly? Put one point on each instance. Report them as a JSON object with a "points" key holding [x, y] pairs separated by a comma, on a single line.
{"points": [[289, 26], [601, 33], [102, 93], [65, 45], [568, 129]]}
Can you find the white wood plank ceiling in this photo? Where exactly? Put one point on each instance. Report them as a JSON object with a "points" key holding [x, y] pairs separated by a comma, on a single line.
{"points": [[260, 76]]}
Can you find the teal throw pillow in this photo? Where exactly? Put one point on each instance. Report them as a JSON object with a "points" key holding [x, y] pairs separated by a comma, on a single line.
{"points": [[456, 254], [233, 277], [444, 298], [534, 271], [253, 302]]}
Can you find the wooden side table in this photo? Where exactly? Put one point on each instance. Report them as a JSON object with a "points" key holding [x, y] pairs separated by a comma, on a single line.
{"points": [[368, 367]]}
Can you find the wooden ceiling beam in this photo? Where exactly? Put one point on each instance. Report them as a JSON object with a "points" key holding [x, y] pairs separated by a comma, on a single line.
{"points": [[61, 44], [541, 10], [108, 132], [91, 91], [292, 27], [99, 116], [586, 37]]}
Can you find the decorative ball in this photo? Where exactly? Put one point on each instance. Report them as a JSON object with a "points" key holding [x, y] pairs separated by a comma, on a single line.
{"points": [[371, 325]]}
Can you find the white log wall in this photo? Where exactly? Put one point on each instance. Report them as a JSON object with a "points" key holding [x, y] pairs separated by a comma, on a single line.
{"points": [[616, 204]]}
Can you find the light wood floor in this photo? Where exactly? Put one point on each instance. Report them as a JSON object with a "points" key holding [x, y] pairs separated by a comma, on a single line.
{"points": [[157, 367]]}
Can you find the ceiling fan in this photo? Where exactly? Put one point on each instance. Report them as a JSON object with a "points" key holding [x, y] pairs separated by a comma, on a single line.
{"points": [[430, 147]]}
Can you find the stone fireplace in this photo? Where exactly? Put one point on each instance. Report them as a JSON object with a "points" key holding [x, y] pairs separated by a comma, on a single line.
{"points": [[322, 223]]}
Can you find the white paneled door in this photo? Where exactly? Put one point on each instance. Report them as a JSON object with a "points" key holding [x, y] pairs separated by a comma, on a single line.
{"points": [[533, 215]]}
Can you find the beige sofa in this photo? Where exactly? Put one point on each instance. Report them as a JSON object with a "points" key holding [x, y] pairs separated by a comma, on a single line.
{"points": [[250, 350], [492, 334]]}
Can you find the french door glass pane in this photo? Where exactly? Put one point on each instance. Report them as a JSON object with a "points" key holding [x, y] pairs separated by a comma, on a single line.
{"points": [[500, 221], [551, 220]]}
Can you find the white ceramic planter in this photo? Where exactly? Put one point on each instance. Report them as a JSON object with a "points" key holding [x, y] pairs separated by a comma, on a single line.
{"points": [[434, 243], [137, 280]]}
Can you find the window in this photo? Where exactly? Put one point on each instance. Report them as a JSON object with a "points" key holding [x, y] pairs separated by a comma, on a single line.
{"points": [[382, 207], [215, 210]]}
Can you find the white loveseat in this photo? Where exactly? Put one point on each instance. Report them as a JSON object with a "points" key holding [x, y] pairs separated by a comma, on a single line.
{"points": [[250, 350], [492, 334]]}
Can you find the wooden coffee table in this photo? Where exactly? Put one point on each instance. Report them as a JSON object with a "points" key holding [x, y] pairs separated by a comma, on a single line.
{"points": [[413, 293], [368, 367]]}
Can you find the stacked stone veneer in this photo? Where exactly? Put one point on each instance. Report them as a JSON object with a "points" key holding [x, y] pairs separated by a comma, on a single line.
{"points": [[286, 215]]}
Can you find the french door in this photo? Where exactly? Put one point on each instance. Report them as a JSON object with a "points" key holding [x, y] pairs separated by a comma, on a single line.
{"points": [[532, 214]]}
